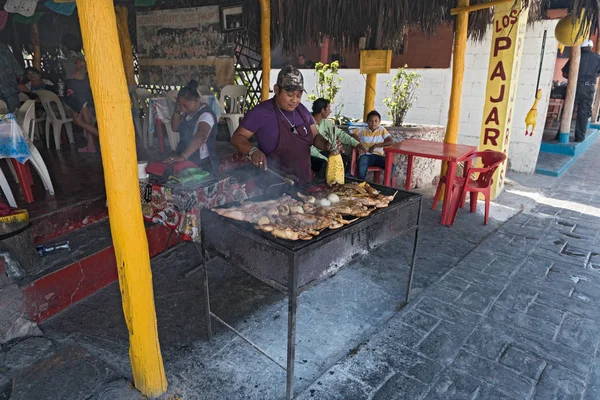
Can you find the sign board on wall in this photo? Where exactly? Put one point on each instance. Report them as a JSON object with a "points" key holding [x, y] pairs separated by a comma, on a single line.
{"points": [[175, 46], [510, 23]]}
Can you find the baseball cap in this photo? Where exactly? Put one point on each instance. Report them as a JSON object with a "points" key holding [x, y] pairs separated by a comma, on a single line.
{"points": [[587, 43], [290, 79]]}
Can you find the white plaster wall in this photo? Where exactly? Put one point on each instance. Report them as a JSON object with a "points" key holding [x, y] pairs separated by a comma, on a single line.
{"points": [[431, 106], [433, 100]]}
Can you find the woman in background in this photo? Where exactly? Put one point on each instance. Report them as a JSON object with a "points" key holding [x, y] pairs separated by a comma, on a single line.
{"points": [[197, 127]]}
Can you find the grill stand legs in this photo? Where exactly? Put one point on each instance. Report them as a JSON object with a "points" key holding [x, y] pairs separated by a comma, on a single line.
{"points": [[414, 257], [291, 345], [292, 308]]}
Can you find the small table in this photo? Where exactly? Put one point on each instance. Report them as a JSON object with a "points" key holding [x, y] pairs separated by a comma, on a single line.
{"points": [[451, 153], [14, 145]]}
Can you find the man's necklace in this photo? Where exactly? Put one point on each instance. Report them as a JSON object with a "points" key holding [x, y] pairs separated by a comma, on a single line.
{"points": [[292, 126]]}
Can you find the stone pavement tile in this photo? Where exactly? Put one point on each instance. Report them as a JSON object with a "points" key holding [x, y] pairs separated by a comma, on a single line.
{"points": [[5, 387], [442, 293], [478, 259], [577, 260], [489, 340], [480, 278], [120, 389], [540, 327], [559, 383], [477, 298], [555, 353], [504, 266], [584, 306], [334, 386], [72, 373], [443, 342], [400, 387], [237, 372], [505, 379], [25, 353], [404, 360], [490, 392], [510, 245], [523, 361], [455, 385], [546, 313], [446, 311], [516, 297], [405, 334], [550, 275], [418, 320], [458, 284], [579, 334], [367, 365], [593, 383]]}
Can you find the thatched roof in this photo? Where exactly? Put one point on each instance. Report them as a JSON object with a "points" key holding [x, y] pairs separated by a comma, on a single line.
{"points": [[295, 23]]}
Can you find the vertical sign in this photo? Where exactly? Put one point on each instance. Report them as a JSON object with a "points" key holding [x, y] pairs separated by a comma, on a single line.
{"points": [[510, 23]]}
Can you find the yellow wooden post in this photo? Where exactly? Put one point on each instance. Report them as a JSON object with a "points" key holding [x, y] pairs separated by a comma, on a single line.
{"points": [[373, 62], [117, 141], [370, 90], [126, 46], [37, 53], [510, 24], [265, 42], [458, 72]]}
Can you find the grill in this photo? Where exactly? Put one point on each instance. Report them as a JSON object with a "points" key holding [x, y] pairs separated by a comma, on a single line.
{"points": [[295, 266]]}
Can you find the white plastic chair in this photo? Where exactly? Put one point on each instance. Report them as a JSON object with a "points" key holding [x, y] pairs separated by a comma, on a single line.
{"points": [[236, 94], [204, 90], [26, 118], [143, 96], [6, 190], [3, 107], [163, 114], [55, 116]]}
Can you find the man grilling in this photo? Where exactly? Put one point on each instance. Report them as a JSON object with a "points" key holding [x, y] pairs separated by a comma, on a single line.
{"points": [[284, 129], [589, 69]]}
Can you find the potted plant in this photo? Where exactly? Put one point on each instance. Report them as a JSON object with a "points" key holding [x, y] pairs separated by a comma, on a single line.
{"points": [[404, 93], [328, 85]]}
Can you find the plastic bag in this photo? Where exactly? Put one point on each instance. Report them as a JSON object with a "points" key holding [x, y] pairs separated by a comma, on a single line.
{"points": [[13, 143]]}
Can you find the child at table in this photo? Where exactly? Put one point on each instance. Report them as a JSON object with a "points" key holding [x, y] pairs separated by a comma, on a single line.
{"points": [[374, 139]]}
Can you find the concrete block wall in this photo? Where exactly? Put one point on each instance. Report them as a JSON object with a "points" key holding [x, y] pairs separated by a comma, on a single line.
{"points": [[523, 150], [431, 106]]}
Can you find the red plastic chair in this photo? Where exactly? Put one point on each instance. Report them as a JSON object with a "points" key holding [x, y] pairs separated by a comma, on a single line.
{"points": [[490, 161], [377, 171]]}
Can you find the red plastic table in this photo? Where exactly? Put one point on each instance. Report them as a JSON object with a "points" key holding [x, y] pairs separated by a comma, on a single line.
{"points": [[451, 153]]}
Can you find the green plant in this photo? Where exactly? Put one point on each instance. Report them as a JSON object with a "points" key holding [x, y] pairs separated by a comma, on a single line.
{"points": [[328, 81], [404, 93]]}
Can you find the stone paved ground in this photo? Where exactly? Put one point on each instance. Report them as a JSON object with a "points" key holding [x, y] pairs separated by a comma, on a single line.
{"points": [[504, 311], [517, 318]]}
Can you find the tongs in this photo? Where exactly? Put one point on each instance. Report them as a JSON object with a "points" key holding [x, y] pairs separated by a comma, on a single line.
{"points": [[289, 179]]}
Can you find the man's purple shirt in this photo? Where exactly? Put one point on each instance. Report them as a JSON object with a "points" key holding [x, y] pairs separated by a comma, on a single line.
{"points": [[262, 121]]}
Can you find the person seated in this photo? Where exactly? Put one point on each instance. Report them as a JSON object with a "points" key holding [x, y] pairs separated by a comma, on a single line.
{"points": [[321, 109], [197, 126], [78, 92], [34, 81], [374, 139], [303, 63]]}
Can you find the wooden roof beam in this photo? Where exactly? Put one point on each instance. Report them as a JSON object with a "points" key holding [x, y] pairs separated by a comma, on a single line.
{"points": [[477, 7]]}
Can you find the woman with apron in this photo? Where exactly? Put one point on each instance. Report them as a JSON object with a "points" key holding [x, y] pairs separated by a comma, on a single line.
{"points": [[197, 127], [284, 129]]}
